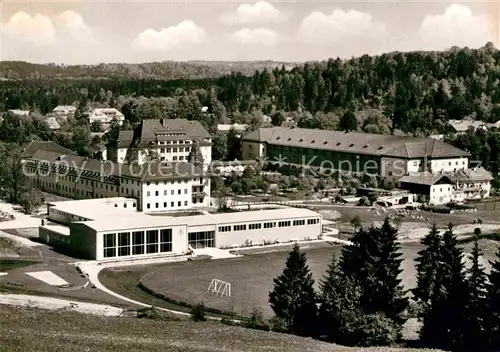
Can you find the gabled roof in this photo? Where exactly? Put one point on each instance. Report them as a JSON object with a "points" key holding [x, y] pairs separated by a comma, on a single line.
{"points": [[48, 146], [471, 175], [193, 129], [425, 178], [53, 124], [355, 142], [146, 172]]}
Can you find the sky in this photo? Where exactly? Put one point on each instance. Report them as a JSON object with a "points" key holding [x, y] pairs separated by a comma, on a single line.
{"points": [[91, 32]]}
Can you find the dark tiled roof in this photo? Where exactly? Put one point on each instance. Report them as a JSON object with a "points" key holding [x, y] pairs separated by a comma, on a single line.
{"points": [[147, 131], [424, 178], [146, 172], [356, 143], [192, 129], [34, 146], [471, 175]]}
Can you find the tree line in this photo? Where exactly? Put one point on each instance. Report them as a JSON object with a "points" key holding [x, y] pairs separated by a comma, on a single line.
{"points": [[361, 300], [414, 92]]}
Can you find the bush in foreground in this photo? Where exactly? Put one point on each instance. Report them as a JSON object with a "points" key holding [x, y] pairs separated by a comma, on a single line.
{"points": [[198, 312]]}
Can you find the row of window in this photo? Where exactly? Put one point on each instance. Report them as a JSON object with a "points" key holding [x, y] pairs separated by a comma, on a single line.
{"points": [[174, 150], [172, 182], [172, 204], [136, 243], [268, 225], [201, 239], [174, 142], [165, 192]]}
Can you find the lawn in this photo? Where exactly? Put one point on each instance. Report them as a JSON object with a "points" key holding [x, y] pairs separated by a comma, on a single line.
{"points": [[251, 277], [27, 329], [10, 264]]}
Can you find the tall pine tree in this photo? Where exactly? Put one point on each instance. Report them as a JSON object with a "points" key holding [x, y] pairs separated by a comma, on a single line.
{"points": [[475, 331], [293, 298], [493, 301], [428, 266], [374, 262], [445, 320]]}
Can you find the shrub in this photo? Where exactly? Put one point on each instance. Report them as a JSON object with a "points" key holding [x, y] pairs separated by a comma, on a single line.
{"points": [[229, 319], [256, 320], [198, 312], [374, 330], [278, 325], [477, 231]]}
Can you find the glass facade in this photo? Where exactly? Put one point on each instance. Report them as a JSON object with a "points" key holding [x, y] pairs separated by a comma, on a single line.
{"points": [[201, 239], [137, 243]]}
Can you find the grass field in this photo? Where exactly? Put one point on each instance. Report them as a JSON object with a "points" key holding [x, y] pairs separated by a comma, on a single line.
{"points": [[251, 277], [26, 329], [10, 264]]}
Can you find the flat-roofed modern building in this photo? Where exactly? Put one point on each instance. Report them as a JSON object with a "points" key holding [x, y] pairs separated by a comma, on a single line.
{"points": [[112, 230]]}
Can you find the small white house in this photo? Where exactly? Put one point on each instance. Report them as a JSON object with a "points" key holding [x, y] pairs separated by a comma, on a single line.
{"points": [[64, 110], [106, 116]]}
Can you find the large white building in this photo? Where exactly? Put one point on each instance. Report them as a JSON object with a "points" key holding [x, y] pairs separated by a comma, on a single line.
{"points": [[64, 110], [106, 116], [156, 186], [111, 229], [387, 157], [169, 140]]}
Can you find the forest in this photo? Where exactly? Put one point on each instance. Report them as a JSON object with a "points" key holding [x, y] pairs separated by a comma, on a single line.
{"points": [[414, 93]]}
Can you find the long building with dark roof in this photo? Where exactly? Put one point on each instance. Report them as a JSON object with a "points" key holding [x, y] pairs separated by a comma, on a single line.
{"points": [[388, 157], [158, 186]]}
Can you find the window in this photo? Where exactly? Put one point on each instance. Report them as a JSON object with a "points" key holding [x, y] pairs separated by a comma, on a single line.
{"points": [[185, 203], [148, 193], [148, 183], [172, 192], [148, 205], [174, 158], [166, 240], [299, 222], [174, 150], [269, 225], [152, 241], [179, 203], [312, 221], [165, 192], [224, 228], [162, 150], [254, 226], [123, 244], [172, 204], [157, 205], [201, 239], [156, 193], [284, 223], [186, 191], [239, 227], [138, 242], [164, 204], [109, 245], [181, 158]]}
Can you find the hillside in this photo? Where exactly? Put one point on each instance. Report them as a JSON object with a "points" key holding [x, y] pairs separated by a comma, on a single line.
{"points": [[155, 70], [37, 330]]}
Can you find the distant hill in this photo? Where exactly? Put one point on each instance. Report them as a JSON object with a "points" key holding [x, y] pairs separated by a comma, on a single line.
{"points": [[14, 70]]}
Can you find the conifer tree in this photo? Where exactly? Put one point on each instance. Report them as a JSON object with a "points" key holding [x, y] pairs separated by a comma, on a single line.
{"points": [[339, 304], [428, 266], [493, 303], [389, 297], [293, 298], [445, 320], [475, 330], [374, 263]]}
